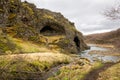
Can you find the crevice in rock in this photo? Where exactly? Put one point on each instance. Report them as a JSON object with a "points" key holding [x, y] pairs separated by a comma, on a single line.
{"points": [[24, 19], [77, 42], [11, 10]]}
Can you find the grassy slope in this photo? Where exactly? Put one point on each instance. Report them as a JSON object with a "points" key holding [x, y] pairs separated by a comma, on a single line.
{"points": [[26, 66], [76, 71], [112, 73], [29, 66], [15, 65], [14, 45], [10, 45]]}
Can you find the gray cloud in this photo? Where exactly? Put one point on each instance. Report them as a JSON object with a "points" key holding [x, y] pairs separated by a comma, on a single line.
{"points": [[86, 14]]}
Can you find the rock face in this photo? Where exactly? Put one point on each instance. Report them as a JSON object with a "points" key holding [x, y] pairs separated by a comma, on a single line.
{"points": [[24, 20]]}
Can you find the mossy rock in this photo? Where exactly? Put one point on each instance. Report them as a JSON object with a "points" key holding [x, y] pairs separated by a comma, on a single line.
{"points": [[27, 22]]}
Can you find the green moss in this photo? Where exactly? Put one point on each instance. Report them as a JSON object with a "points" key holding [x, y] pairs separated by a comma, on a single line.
{"points": [[1, 10], [48, 16], [13, 7], [12, 16], [7, 46], [12, 1], [28, 8], [40, 66], [4, 47], [67, 41], [3, 63], [34, 38]]}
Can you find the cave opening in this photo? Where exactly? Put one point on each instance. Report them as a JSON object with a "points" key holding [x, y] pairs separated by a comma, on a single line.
{"points": [[51, 30], [77, 42], [46, 29]]}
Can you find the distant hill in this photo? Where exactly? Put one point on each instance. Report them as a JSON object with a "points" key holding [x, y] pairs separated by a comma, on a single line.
{"points": [[112, 37]]}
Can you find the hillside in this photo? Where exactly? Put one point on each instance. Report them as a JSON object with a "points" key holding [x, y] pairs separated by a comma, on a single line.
{"points": [[112, 37], [22, 24]]}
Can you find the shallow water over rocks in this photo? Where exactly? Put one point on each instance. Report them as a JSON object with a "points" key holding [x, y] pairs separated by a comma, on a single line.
{"points": [[94, 57]]}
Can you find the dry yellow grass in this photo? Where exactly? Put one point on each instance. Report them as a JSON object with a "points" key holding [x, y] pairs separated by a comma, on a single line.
{"points": [[109, 52], [76, 71], [27, 46], [105, 45], [112, 73], [17, 45], [27, 66], [53, 39], [30, 47], [42, 57]]}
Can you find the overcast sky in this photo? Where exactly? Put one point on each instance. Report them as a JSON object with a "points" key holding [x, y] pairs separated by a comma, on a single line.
{"points": [[86, 14]]}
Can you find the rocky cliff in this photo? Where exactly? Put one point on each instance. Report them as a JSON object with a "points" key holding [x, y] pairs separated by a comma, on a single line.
{"points": [[23, 20]]}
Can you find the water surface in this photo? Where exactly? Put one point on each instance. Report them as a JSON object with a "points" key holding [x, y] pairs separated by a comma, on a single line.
{"points": [[93, 57]]}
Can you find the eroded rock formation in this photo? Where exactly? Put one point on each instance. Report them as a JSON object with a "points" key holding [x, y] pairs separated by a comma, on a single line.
{"points": [[24, 20]]}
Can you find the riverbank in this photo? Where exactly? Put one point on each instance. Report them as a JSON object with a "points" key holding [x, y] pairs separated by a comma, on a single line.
{"points": [[81, 70], [109, 52]]}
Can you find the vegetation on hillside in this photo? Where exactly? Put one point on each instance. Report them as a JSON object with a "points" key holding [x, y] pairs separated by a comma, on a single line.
{"points": [[22, 20], [112, 37], [10, 45]]}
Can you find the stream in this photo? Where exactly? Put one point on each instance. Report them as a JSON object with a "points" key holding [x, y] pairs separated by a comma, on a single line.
{"points": [[94, 57]]}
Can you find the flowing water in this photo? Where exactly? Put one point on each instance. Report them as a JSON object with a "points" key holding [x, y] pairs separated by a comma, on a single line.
{"points": [[93, 57]]}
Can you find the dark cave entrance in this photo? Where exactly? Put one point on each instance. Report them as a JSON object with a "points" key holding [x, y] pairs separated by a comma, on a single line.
{"points": [[47, 29], [77, 42], [52, 30]]}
